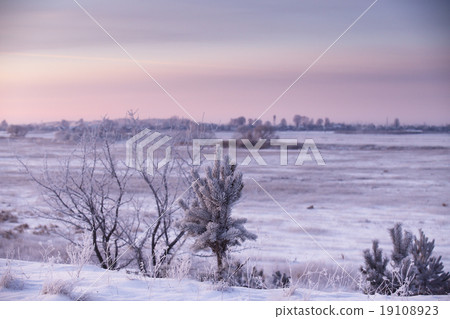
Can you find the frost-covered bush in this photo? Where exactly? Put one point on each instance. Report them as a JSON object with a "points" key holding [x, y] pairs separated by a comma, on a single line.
{"points": [[280, 280], [80, 253], [58, 287], [403, 271], [402, 243], [374, 270], [430, 276], [242, 275], [9, 280], [208, 217], [412, 270]]}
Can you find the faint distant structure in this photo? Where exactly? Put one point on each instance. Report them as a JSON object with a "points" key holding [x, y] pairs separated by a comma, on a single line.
{"points": [[397, 123], [274, 120]]}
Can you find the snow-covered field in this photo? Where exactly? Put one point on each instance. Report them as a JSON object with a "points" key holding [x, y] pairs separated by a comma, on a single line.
{"points": [[96, 284], [369, 183]]}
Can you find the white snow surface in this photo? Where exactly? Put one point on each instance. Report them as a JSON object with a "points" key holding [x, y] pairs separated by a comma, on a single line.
{"points": [[95, 283]]}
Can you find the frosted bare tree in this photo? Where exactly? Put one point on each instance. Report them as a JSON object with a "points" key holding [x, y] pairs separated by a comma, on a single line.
{"points": [[87, 193], [155, 229], [208, 217]]}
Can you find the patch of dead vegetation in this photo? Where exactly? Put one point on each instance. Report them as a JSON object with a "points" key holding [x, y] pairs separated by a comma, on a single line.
{"points": [[8, 216]]}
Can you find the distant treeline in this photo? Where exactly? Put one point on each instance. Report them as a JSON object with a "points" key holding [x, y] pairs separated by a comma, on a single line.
{"points": [[304, 123], [127, 127]]}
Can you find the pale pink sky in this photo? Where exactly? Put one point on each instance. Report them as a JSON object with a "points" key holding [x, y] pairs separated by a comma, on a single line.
{"points": [[225, 60]]}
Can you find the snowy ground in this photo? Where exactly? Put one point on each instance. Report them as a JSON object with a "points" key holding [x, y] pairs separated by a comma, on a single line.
{"points": [[369, 182], [96, 284]]}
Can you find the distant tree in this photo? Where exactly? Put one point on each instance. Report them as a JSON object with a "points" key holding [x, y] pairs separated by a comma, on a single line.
{"points": [[283, 123], [108, 129], [3, 126], [319, 122], [195, 131], [327, 122], [238, 121], [64, 125], [255, 133], [274, 120], [297, 120], [208, 217], [263, 132], [306, 121], [17, 130], [397, 123], [133, 122]]}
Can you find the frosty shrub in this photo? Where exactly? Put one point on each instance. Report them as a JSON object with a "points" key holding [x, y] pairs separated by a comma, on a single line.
{"points": [[180, 268], [58, 287], [402, 242], [374, 270], [403, 272], [280, 280], [413, 270], [208, 217], [8, 279], [430, 276], [80, 253], [243, 275]]}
